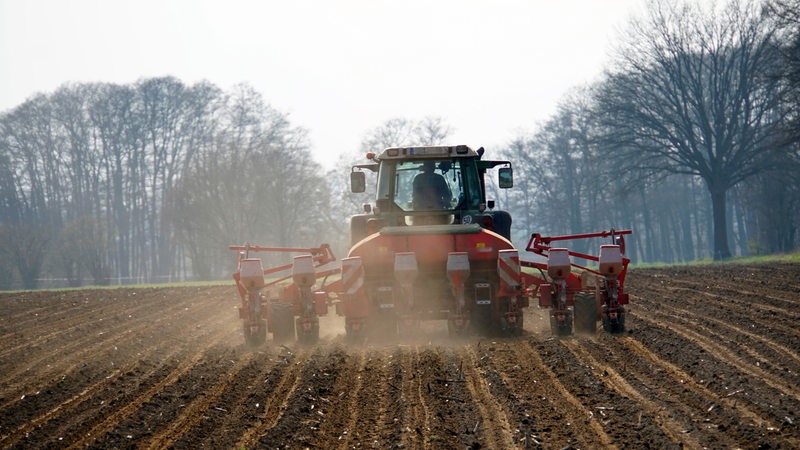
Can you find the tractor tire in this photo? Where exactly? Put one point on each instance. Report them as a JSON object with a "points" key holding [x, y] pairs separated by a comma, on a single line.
{"points": [[282, 319], [257, 337], [585, 314]]}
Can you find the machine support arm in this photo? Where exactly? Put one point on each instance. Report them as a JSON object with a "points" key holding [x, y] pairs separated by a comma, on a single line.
{"points": [[320, 255], [538, 243]]}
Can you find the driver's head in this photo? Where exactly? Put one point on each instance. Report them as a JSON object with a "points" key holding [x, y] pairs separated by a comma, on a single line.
{"points": [[428, 166]]}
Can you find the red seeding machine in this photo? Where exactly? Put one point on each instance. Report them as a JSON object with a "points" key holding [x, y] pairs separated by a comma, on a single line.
{"points": [[595, 295], [432, 247]]}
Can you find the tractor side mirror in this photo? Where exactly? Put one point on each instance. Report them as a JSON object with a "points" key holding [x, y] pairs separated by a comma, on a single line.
{"points": [[358, 182], [506, 177]]}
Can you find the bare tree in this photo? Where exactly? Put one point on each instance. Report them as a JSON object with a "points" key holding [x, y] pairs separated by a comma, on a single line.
{"points": [[689, 95], [565, 177], [786, 14], [399, 132], [257, 183]]}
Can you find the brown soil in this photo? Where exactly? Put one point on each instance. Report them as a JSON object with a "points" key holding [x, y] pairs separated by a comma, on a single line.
{"points": [[711, 359]]}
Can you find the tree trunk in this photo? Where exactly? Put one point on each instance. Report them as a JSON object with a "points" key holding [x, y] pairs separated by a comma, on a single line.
{"points": [[721, 249]]}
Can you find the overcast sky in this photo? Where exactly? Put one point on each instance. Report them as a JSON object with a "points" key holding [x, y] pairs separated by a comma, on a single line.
{"points": [[491, 68]]}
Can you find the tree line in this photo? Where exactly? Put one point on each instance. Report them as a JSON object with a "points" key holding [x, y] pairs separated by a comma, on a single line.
{"points": [[148, 182], [690, 138]]}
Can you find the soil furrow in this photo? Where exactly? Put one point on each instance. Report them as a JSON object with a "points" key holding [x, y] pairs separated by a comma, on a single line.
{"points": [[556, 401], [275, 403], [90, 345], [748, 315], [731, 417], [711, 359], [130, 406], [415, 414], [349, 397], [75, 405], [99, 318], [759, 344], [194, 412], [494, 422], [666, 401], [725, 354], [237, 407]]}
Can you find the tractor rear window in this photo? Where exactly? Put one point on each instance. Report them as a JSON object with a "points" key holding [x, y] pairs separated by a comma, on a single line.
{"points": [[424, 185]]}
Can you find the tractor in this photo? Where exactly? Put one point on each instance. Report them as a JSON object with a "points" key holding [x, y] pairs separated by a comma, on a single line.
{"points": [[431, 247]]}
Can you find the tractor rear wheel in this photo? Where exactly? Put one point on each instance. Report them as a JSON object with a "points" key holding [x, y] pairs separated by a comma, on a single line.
{"points": [[282, 321], [585, 314]]}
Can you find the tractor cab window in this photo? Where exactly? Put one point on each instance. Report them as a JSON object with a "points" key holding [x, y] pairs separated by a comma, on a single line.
{"points": [[433, 184]]}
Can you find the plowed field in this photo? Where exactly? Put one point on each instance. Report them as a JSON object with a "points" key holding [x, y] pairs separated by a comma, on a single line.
{"points": [[711, 359]]}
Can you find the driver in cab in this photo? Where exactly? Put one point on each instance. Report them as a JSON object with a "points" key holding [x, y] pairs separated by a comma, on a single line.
{"points": [[430, 189]]}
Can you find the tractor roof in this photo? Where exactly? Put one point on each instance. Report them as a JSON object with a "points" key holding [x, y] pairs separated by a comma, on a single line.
{"points": [[430, 151]]}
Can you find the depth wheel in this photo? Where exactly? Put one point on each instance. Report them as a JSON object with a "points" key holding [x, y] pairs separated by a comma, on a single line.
{"points": [[355, 333], [615, 326], [485, 321], [561, 329], [457, 330], [383, 326], [282, 321], [255, 337], [515, 325], [585, 314], [307, 330]]}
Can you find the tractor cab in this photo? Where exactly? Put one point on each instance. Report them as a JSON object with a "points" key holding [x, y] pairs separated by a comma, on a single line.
{"points": [[429, 186]]}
